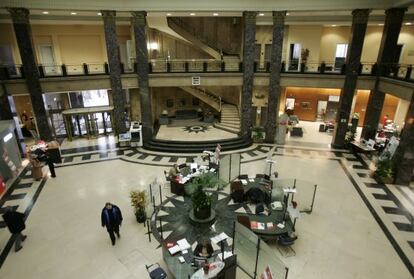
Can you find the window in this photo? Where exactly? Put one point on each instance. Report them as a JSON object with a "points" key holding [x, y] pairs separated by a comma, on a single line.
{"points": [[340, 56]]}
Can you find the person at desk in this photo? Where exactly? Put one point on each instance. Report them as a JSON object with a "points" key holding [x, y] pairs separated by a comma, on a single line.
{"points": [[173, 171], [204, 249]]}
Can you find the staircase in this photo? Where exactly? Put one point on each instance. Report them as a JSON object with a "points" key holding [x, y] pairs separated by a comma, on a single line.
{"points": [[230, 119], [206, 96]]}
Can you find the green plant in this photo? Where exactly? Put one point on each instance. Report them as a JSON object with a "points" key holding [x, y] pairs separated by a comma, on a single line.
{"points": [[349, 137], [139, 201], [385, 169], [197, 186], [258, 133]]}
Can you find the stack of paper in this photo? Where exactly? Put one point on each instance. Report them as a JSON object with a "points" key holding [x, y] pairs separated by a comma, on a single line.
{"points": [[251, 179], [219, 238], [183, 244], [281, 226], [277, 205], [244, 182], [174, 249]]}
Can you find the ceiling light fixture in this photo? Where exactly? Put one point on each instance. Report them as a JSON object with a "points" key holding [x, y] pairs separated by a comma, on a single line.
{"points": [[45, 12], [168, 14], [192, 14], [287, 14], [380, 24], [333, 25], [261, 14], [215, 14], [73, 13], [408, 23], [99, 14]]}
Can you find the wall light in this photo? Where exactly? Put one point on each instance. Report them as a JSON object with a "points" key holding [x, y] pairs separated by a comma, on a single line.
{"points": [[192, 14], [333, 25], [380, 24], [153, 46], [8, 137], [73, 13], [287, 14], [215, 14], [168, 14], [408, 23], [261, 14], [45, 12], [99, 14]]}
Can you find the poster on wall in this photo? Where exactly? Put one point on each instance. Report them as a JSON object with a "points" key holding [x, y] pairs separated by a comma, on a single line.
{"points": [[267, 274]]}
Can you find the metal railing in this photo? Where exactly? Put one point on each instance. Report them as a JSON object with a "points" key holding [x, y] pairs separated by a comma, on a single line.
{"points": [[391, 70]]}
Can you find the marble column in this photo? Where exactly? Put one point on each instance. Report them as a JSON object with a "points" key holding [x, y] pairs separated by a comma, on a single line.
{"points": [[249, 38], [139, 24], [353, 61], [392, 28], [118, 97], [274, 78], [404, 155], [23, 33]]}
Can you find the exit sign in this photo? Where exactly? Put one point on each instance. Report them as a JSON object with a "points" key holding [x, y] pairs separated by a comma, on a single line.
{"points": [[195, 81]]}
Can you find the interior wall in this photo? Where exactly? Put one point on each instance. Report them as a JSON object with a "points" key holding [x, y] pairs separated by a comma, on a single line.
{"points": [[135, 109], [160, 95], [229, 94], [176, 49], [309, 37], [330, 37], [7, 38]]}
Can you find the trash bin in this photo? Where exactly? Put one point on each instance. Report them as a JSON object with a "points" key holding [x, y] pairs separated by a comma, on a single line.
{"points": [[322, 128]]}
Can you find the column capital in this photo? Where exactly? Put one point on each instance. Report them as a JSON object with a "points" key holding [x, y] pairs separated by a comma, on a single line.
{"points": [[279, 17], [108, 14], [360, 16], [249, 16], [139, 17], [19, 15], [395, 11]]}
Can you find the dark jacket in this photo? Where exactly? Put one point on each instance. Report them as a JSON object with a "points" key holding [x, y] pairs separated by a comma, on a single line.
{"points": [[106, 220], [14, 221], [199, 249]]}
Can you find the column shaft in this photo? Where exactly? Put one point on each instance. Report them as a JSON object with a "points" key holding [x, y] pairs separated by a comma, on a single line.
{"points": [[353, 60], [118, 96], [139, 24], [248, 72], [275, 68], [404, 155], [392, 28], [23, 32]]}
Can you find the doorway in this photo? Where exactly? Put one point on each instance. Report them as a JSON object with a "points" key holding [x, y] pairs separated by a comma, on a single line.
{"points": [[321, 110], [340, 56], [48, 60], [6, 58], [294, 56]]}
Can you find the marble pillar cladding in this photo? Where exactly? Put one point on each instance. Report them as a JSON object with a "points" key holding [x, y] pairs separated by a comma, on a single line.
{"points": [[353, 60], [248, 72], [404, 155], [23, 33], [139, 24], [392, 27], [118, 97], [275, 67]]}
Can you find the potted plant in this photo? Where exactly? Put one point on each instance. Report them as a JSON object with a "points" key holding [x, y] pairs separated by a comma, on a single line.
{"points": [[385, 170], [349, 137], [139, 201], [200, 199], [258, 135]]}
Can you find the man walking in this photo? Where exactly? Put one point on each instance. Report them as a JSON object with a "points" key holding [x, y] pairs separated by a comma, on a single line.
{"points": [[15, 223], [111, 219]]}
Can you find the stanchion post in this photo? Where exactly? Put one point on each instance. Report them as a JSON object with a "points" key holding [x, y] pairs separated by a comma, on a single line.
{"points": [[149, 232], [313, 198], [162, 237], [257, 258], [287, 272], [160, 193]]}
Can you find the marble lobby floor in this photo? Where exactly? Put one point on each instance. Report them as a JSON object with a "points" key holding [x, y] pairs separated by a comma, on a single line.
{"points": [[340, 239]]}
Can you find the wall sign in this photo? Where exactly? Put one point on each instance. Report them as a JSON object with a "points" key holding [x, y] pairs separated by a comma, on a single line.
{"points": [[195, 81]]}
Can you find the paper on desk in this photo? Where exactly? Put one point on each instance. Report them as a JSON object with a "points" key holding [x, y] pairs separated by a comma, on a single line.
{"points": [[174, 249], [251, 179], [289, 190], [184, 252], [181, 259], [281, 226], [244, 182], [219, 238], [183, 244], [226, 255]]}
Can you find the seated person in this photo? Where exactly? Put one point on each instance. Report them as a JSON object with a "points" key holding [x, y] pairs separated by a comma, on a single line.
{"points": [[261, 209], [173, 171], [204, 249]]}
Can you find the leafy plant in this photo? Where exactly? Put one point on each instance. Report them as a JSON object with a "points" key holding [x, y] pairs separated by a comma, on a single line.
{"points": [[349, 137], [385, 169], [197, 186], [258, 133], [139, 200]]}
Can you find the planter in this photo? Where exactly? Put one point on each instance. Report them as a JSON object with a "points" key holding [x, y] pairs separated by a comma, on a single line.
{"points": [[141, 216], [202, 213]]}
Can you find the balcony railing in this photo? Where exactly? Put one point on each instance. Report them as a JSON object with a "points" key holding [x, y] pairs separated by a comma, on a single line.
{"points": [[395, 71]]}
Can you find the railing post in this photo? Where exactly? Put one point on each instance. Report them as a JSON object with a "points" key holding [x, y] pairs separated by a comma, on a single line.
{"points": [[64, 70], [322, 68], [135, 66], [106, 66], [168, 67], [41, 71], [241, 67], [302, 67], [343, 69], [22, 73], [122, 66], [283, 67], [85, 69], [360, 69], [268, 67], [223, 66], [186, 66], [374, 69], [255, 66], [5, 72], [396, 69], [149, 67], [408, 73], [205, 66]]}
